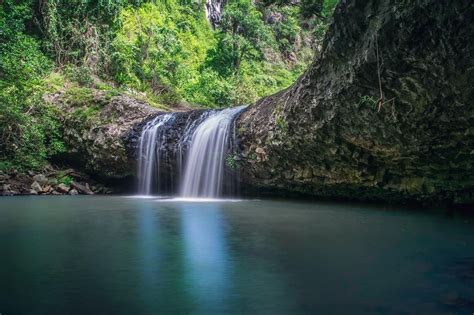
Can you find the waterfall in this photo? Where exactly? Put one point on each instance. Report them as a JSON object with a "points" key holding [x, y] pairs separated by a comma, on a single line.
{"points": [[185, 153], [204, 170], [214, 10], [149, 153]]}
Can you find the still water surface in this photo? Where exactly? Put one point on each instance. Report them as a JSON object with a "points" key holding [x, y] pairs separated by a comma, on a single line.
{"points": [[119, 255]]}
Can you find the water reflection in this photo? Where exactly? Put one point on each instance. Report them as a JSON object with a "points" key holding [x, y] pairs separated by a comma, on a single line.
{"points": [[206, 255], [148, 244], [109, 255]]}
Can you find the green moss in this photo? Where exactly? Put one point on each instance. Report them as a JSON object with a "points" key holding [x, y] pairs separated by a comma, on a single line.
{"points": [[79, 74], [6, 166], [368, 100], [65, 179], [104, 87], [88, 113], [79, 96], [156, 101], [231, 161], [282, 124], [54, 82]]}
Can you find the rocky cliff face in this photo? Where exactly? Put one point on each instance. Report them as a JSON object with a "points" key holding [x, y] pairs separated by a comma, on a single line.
{"points": [[384, 113], [97, 129], [102, 133]]}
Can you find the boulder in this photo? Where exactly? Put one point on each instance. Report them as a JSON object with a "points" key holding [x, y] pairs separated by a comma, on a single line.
{"points": [[83, 189], [62, 188], [40, 179], [73, 192], [36, 187], [46, 189]]}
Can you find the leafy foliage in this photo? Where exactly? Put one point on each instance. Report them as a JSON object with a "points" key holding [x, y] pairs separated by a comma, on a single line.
{"points": [[243, 34], [79, 31], [29, 129], [164, 51], [160, 47]]}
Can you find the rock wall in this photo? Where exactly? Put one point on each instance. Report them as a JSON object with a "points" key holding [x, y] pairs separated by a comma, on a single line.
{"points": [[102, 134], [341, 131], [96, 132]]}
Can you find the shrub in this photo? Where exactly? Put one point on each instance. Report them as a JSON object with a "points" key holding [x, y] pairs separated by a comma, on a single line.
{"points": [[29, 128]]}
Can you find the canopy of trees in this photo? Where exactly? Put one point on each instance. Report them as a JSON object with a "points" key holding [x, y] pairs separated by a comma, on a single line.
{"points": [[164, 51]]}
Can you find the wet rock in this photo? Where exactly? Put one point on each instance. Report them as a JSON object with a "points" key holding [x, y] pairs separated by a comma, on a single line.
{"points": [[73, 192], [33, 192]]}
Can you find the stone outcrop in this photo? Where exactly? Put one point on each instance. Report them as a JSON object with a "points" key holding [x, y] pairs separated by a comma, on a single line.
{"points": [[347, 129], [95, 132]]}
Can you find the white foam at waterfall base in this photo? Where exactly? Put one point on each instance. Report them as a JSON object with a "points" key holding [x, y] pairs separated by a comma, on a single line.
{"points": [[204, 170]]}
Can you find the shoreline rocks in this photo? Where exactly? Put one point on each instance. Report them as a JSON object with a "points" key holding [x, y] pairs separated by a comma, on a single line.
{"points": [[53, 182]]}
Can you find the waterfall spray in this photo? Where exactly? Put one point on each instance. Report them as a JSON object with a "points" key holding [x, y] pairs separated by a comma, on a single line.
{"points": [[193, 153], [205, 166], [149, 153]]}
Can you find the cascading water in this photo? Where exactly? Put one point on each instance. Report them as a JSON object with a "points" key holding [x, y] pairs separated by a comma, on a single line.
{"points": [[214, 10], [191, 149], [204, 171], [150, 152]]}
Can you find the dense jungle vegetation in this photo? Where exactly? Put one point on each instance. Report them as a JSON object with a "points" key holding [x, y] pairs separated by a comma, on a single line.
{"points": [[164, 52]]}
